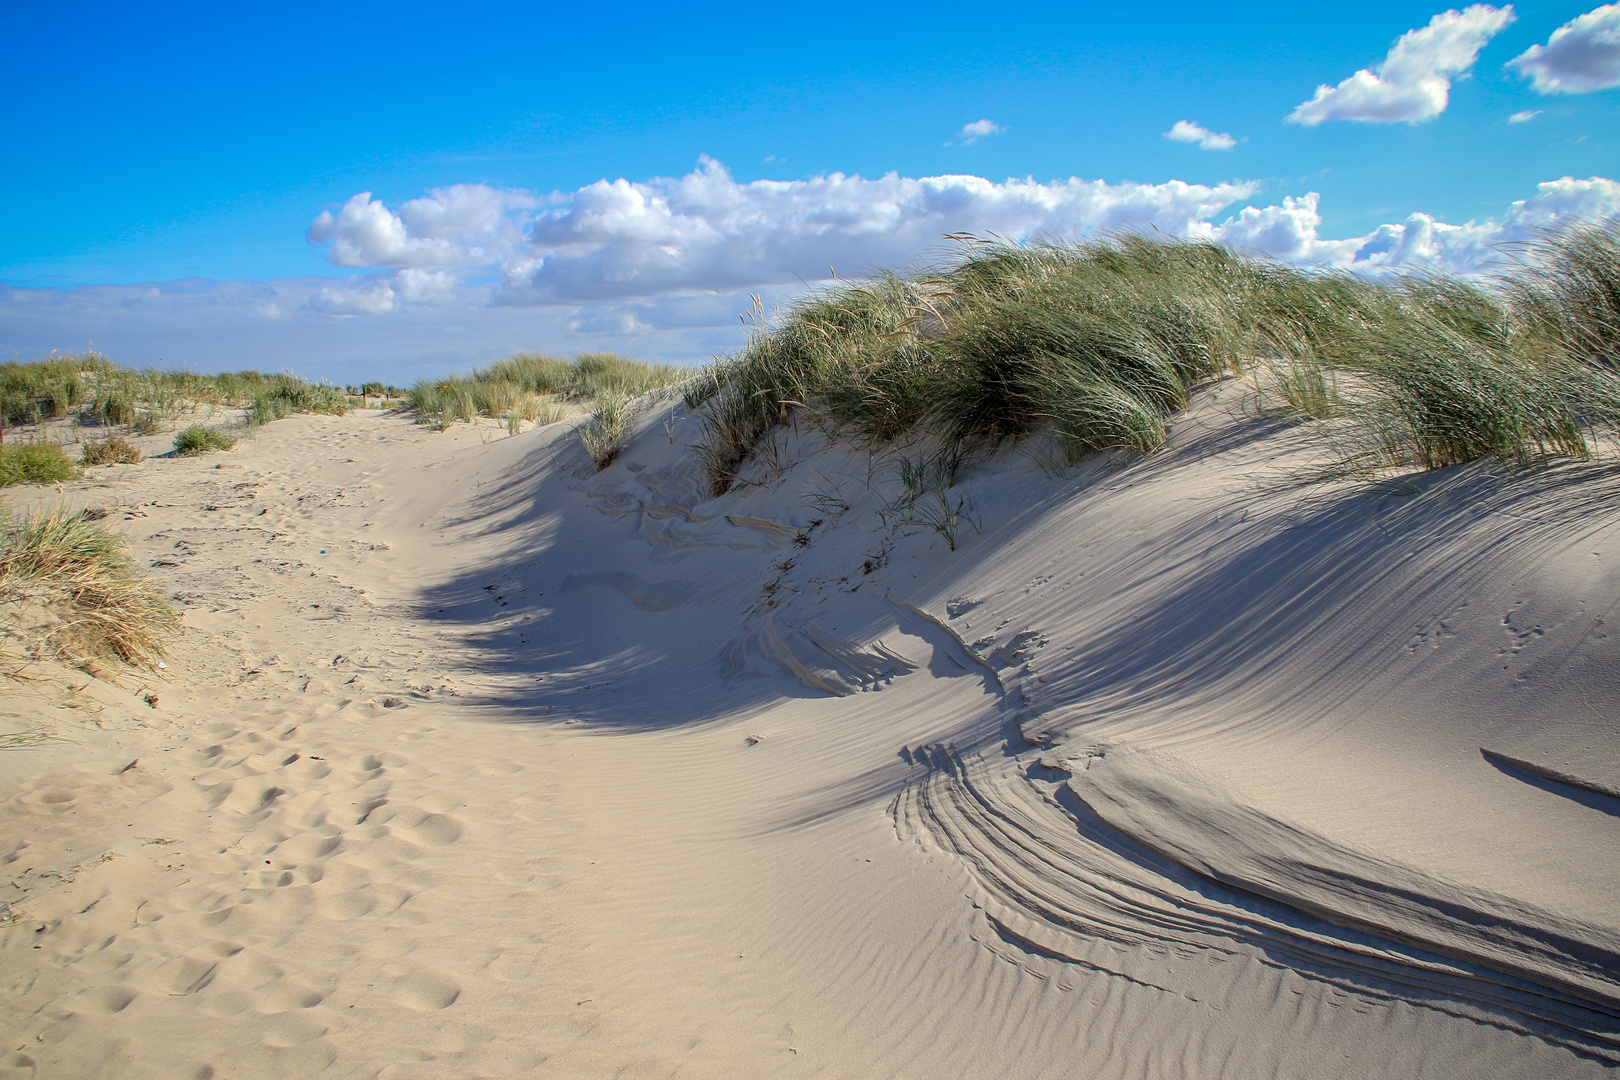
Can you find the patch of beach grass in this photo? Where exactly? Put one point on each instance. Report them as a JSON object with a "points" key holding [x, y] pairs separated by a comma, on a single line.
{"points": [[35, 463], [80, 575], [535, 386], [91, 390], [198, 439], [604, 430], [113, 450]]}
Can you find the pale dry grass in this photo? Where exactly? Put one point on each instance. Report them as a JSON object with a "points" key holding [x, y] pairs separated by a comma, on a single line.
{"points": [[79, 576]]}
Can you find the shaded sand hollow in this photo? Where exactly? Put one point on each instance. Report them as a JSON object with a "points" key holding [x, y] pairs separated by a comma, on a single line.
{"points": [[474, 762]]}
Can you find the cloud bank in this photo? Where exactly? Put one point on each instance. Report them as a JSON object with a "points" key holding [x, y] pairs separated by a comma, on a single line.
{"points": [[662, 268], [1583, 55], [620, 241], [1413, 83]]}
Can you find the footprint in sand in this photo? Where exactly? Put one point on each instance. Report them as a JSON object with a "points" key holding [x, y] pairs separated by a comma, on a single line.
{"points": [[16, 1067], [104, 1000], [291, 1029], [346, 905], [307, 847], [286, 995], [426, 991], [186, 975], [250, 798], [425, 828]]}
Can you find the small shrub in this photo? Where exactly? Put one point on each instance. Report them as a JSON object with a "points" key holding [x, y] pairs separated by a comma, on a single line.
{"points": [[197, 439], [115, 450], [35, 463], [147, 423]]}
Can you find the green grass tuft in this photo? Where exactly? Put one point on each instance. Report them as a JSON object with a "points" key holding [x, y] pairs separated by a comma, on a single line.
{"points": [[603, 432], [35, 463], [198, 439]]}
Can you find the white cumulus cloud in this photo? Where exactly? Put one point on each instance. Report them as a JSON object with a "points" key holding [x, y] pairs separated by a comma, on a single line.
{"points": [[460, 225], [1581, 56], [414, 320], [642, 246], [1413, 83], [972, 133], [707, 231], [1188, 132], [1292, 231]]}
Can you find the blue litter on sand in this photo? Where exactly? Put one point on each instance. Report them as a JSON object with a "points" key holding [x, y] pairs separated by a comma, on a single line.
{"points": [[323, 551]]}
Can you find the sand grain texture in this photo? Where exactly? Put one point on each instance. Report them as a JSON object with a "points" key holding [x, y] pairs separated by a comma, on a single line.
{"points": [[475, 762]]}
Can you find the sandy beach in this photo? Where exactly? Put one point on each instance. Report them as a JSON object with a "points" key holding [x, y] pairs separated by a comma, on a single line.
{"points": [[473, 761]]}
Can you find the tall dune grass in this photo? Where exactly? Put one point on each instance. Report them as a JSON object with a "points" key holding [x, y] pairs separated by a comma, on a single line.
{"points": [[1098, 343]]}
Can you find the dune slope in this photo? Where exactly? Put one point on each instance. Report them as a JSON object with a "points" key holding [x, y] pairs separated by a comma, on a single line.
{"points": [[475, 761]]}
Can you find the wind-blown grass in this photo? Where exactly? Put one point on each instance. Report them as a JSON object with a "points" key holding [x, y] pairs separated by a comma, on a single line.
{"points": [[80, 574], [1568, 286], [1097, 344]]}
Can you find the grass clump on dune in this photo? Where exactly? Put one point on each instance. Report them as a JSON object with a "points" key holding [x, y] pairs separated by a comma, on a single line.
{"points": [[603, 432], [1097, 344], [113, 450], [198, 439], [48, 389], [535, 387], [35, 463], [284, 395], [79, 575]]}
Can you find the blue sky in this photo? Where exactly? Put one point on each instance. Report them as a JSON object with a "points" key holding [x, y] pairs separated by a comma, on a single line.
{"points": [[168, 165]]}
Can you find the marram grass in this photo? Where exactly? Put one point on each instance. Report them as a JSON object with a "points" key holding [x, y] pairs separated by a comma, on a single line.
{"points": [[79, 572], [1097, 344]]}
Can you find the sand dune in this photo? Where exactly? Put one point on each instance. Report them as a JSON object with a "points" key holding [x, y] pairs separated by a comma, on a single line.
{"points": [[475, 762]]}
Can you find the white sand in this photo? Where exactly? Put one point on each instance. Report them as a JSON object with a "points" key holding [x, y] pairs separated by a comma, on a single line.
{"points": [[1178, 768]]}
